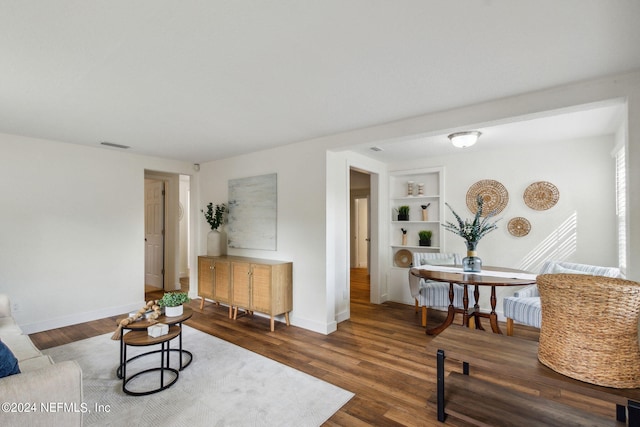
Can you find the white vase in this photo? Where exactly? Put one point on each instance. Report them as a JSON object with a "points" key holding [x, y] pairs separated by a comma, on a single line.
{"points": [[173, 311], [216, 243]]}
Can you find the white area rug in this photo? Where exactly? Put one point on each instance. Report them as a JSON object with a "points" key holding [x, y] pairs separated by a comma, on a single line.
{"points": [[225, 385]]}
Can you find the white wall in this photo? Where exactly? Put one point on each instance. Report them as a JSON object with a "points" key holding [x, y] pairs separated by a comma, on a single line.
{"points": [[321, 267], [584, 173], [71, 219], [338, 218], [72, 227], [301, 229]]}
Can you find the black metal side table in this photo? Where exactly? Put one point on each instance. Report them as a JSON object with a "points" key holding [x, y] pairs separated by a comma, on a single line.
{"points": [[142, 339]]}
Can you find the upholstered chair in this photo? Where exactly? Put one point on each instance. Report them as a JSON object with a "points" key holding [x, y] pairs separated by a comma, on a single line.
{"points": [[428, 293], [590, 328], [524, 306]]}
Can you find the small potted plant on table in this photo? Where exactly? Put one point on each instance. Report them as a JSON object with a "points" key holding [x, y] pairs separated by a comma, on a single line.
{"points": [[172, 303]]}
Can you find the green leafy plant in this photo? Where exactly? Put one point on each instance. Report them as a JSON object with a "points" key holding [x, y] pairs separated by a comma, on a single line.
{"points": [[403, 210], [472, 231], [173, 299], [425, 234], [215, 218]]}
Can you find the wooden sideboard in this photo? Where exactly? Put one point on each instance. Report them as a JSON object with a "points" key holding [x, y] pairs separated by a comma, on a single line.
{"points": [[252, 284], [214, 280]]}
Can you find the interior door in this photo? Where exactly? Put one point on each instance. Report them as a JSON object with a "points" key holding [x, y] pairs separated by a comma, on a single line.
{"points": [[154, 233], [362, 232]]}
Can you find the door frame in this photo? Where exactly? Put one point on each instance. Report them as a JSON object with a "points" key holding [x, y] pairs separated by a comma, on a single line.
{"points": [[160, 261], [171, 227]]}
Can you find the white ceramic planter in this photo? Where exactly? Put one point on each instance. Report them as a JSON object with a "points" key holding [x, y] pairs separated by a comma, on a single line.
{"points": [[173, 311]]}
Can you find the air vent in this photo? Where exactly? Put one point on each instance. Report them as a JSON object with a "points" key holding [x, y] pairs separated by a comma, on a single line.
{"points": [[114, 145]]}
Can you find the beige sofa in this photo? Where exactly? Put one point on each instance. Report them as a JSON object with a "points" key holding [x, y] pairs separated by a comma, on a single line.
{"points": [[44, 393]]}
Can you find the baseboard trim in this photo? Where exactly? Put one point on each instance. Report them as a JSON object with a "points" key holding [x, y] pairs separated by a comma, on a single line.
{"points": [[74, 319]]}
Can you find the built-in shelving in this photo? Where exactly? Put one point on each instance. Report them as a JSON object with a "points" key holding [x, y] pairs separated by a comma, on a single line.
{"points": [[433, 196]]}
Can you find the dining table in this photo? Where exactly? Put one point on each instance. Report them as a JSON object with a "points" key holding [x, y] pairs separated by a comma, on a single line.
{"points": [[489, 276]]}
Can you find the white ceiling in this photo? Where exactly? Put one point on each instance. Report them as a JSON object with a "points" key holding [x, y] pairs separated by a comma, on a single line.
{"points": [[201, 80], [556, 127]]}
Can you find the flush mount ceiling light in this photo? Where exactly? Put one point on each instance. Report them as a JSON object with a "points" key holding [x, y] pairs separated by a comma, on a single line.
{"points": [[464, 139]]}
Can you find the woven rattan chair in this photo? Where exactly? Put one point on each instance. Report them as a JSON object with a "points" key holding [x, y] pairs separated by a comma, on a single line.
{"points": [[524, 306], [428, 293], [589, 328]]}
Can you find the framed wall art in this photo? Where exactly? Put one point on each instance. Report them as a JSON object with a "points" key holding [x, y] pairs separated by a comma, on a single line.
{"points": [[252, 217]]}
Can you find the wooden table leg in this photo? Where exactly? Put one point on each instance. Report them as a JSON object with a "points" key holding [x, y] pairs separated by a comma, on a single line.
{"points": [[476, 307], [465, 305], [493, 317], [451, 314]]}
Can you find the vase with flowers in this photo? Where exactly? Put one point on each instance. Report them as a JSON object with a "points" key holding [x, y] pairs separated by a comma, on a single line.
{"points": [[216, 239], [472, 232]]}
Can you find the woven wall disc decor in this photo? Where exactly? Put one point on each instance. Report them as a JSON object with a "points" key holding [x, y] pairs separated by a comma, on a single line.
{"points": [[519, 226], [403, 258], [541, 195], [494, 195]]}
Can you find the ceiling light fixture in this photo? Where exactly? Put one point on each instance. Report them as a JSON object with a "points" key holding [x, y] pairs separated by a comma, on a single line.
{"points": [[464, 139]]}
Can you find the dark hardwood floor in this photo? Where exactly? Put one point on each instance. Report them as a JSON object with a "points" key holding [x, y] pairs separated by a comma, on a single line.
{"points": [[379, 354]]}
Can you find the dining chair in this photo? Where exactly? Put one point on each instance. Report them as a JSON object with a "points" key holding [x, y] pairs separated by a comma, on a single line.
{"points": [[524, 306], [428, 293], [590, 328]]}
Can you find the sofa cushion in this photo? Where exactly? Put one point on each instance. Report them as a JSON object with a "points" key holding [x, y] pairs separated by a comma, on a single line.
{"points": [[21, 346], [35, 363], [8, 362], [558, 269], [9, 326]]}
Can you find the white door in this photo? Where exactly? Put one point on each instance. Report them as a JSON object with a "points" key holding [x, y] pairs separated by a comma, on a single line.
{"points": [[154, 233], [362, 232]]}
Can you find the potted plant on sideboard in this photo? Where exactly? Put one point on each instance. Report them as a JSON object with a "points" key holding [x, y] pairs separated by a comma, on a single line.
{"points": [[172, 303], [216, 239]]}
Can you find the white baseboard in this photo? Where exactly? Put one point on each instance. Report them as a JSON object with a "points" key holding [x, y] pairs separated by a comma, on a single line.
{"points": [[299, 322], [314, 326], [74, 319], [341, 317]]}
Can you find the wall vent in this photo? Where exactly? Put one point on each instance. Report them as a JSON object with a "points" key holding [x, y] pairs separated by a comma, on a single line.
{"points": [[114, 145]]}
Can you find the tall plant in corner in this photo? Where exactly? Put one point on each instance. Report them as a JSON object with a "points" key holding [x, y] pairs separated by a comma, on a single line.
{"points": [[216, 241], [472, 232]]}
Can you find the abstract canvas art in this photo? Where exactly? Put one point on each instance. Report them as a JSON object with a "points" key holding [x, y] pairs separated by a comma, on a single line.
{"points": [[252, 214]]}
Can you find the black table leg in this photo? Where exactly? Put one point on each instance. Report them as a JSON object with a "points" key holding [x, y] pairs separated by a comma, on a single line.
{"points": [[634, 413], [440, 385]]}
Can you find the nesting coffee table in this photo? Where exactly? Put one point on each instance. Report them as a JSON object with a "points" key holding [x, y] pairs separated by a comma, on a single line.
{"points": [[137, 336]]}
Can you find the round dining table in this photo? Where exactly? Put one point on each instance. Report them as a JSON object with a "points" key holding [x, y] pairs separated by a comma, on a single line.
{"points": [[471, 316]]}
